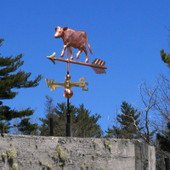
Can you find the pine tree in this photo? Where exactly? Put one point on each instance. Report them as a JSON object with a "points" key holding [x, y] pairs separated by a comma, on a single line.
{"points": [[58, 114], [82, 123], [164, 140], [27, 128], [11, 79], [165, 57], [128, 122]]}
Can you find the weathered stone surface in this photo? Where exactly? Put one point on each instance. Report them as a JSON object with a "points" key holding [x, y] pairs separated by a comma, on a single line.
{"points": [[58, 153]]}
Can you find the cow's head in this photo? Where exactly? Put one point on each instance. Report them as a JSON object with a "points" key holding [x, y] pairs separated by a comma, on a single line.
{"points": [[59, 31]]}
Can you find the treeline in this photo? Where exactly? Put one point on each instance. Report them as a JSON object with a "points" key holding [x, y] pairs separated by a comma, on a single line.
{"points": [[149, 122]]}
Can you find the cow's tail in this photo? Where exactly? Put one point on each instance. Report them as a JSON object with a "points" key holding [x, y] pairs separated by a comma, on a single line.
{"points": [[89, 46]]}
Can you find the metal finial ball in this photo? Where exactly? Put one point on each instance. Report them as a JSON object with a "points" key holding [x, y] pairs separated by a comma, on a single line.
{"points": [[68, 77], [68, 93]]}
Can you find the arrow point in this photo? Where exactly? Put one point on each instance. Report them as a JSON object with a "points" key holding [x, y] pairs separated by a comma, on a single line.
{"points": [[51, 57]]}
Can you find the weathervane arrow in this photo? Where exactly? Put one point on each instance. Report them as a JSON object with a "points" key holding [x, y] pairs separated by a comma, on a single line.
{"points": [[97, 65]]}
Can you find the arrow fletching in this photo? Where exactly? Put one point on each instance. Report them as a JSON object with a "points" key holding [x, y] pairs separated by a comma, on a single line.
{"points": [[99, 63]]}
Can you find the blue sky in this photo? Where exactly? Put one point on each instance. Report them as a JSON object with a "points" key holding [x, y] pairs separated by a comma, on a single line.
{"points": [[128, 35]]}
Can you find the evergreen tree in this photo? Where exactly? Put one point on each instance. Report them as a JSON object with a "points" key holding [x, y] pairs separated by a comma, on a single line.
{"points": [[58, 115], [27, 128], [165, 57], [82, 123], [10, 79], [85, 125], [128, 122], [164, 140]]}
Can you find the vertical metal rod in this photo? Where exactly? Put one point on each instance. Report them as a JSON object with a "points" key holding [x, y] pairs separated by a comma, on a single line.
{"points": [[167, 163], [68, 125], [68, 67]]}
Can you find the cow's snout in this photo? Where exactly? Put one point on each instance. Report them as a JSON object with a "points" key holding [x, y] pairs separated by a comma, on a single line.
{"points": [[59, 32], [56, 35]]}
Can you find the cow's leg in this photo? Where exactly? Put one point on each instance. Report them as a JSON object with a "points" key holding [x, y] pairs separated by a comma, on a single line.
{"points": [[78, 54], [87, 58], [63, 51], [70, 49]]}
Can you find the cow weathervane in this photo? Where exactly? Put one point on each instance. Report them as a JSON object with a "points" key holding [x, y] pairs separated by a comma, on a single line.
{"points": [[78, 40]]}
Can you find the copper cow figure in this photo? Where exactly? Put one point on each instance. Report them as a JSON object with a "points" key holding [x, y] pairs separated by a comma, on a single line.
{"points": [[72, 38]]}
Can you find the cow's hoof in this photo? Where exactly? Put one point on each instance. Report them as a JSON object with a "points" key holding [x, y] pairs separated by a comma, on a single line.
{"points": [[71, 58], [62, 55], [87, 60]]}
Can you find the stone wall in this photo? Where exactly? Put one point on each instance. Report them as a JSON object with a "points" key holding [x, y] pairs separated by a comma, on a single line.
{"points": [[20, 152]]}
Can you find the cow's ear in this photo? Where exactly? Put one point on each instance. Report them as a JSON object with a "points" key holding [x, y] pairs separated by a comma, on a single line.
{"points": [[65, 28]]}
